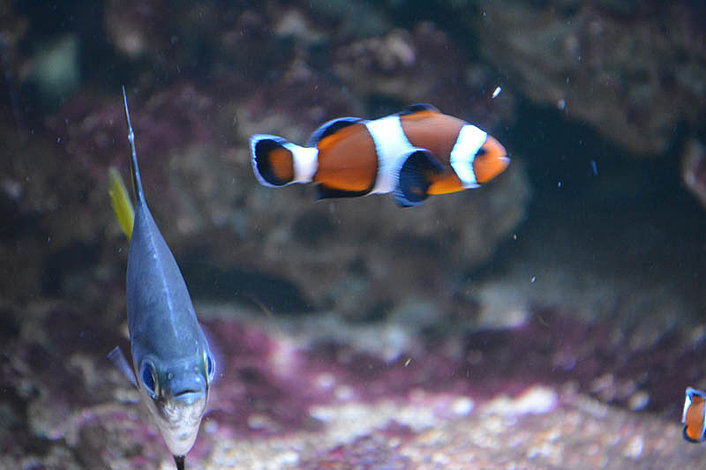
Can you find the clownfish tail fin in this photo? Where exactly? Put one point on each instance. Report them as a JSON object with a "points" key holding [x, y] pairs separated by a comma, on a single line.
{"points": [[277, 162], [272, 162], [414, 177]]}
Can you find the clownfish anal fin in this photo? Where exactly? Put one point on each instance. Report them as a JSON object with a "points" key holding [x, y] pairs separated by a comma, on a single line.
{"points": [[414, 178], [324, 192], [330, 128], [418, 108]]}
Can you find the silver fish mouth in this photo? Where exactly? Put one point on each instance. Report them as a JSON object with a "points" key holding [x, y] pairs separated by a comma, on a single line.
{"points": [[179, 439], [187, 407], [188, 397], [179, 421]]}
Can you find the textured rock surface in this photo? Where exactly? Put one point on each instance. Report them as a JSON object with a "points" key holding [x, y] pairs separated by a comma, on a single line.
{"points": [[634, 88], [311, 394]]}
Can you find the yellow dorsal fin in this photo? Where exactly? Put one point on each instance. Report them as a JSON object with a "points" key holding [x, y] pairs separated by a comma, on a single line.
{"points": [[120, 200]]}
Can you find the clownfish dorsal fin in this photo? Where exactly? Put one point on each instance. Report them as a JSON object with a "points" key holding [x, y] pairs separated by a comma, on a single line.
{"points": [[415, 177], [418, 108], [330, 128]]}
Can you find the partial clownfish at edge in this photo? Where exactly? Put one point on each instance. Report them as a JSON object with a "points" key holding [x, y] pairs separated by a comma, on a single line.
{"points": [[694, 415], [413, 154]]}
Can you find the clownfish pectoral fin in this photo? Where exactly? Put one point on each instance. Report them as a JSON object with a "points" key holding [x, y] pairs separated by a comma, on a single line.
{"points": [[329, 128], [418, 108], [415, 177], [118, 359], [324, 192]]}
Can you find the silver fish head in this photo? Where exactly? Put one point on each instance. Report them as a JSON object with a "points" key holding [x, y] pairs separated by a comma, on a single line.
{"points": [[176, 396]]}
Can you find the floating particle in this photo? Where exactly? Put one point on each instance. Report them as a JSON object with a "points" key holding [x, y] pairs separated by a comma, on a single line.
{"points": [[497, 91], [693, 169], [594, 168]]}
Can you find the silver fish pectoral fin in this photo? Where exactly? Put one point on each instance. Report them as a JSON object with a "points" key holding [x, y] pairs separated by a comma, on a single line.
{"points": [[118, 359]]}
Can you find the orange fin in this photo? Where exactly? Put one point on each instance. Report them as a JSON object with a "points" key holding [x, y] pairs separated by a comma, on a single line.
{"points": [[272, 161]]}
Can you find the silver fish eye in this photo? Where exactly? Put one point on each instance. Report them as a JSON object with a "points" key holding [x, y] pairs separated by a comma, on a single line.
{"points": [[149, 378], [210, 367]]}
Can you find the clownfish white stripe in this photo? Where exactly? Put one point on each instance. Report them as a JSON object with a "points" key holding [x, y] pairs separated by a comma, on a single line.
{"points": [[305, 162], [392, 147], [470, 140]]}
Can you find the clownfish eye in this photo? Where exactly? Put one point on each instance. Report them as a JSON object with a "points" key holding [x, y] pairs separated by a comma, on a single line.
{"points": [[149, 379], [481, 151], [210, 367]]}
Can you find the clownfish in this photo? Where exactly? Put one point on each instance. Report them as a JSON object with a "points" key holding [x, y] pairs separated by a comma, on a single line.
{"points": [[412, 154], [694, 415]]}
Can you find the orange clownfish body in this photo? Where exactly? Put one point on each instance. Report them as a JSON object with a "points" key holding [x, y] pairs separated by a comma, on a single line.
{"points": [[413, 154], [694, 415]]}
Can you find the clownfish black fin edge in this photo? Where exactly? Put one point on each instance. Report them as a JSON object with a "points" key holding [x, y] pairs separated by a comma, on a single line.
{"points": [[330, 128], [413, 180], [261, 146], [418, 108], [324, 192], [693, 392], [688, 439]]}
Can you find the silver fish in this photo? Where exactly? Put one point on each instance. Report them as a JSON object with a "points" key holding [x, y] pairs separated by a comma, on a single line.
{"points": [[172, 365]]}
